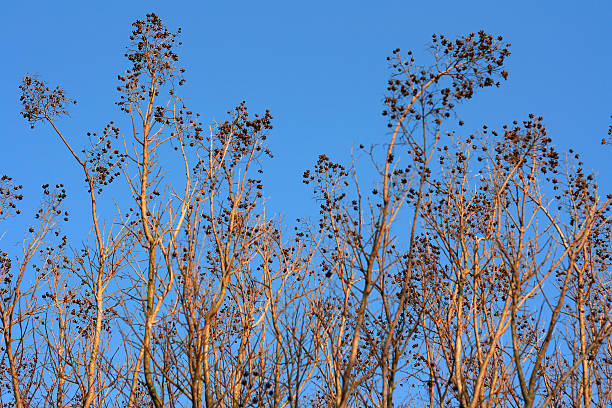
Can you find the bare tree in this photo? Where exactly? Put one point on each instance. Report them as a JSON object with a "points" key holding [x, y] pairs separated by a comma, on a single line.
{"points": [[473, 272]]}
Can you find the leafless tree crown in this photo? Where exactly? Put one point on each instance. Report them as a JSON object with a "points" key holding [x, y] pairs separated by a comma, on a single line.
{"points": [[474, 272]]}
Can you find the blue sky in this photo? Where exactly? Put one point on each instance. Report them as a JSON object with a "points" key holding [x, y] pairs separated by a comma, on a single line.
{"points": [[319, 66]]}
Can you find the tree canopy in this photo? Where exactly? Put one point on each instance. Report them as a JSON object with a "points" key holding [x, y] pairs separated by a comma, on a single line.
{"points": [[473, 272]]}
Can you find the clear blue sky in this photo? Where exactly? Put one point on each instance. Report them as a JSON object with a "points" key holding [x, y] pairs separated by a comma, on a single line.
{"points": [[319, 66]]}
